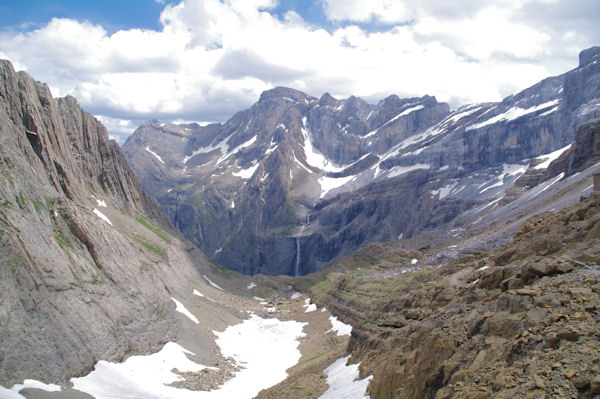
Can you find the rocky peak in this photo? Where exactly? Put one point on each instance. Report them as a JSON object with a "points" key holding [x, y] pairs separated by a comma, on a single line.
{"points": [[282, 93], [327, 99], [589, 55]]}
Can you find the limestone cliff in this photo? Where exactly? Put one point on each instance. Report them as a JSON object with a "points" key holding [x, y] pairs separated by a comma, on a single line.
{"points": [[87, 259]]}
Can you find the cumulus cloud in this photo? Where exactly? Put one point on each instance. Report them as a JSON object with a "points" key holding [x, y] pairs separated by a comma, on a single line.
{"points": [[212, 58]]}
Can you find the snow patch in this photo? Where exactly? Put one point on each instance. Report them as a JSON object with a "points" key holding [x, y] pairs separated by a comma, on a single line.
{"points": [[198, 293], [100, 203], [414, 261], [251, 285], [6, 393], [222, 146], [313, 157], [508, 170], [247, 173], [265, 348], [330, 183], [310, 307], [549, 158], [102, 216], [182, 309], [339, 327], [28, 383], [296, 295], [141, 376], [211, 283], [343, 381], [400, 170], [155, 155], [444, 191], [236, 149]]}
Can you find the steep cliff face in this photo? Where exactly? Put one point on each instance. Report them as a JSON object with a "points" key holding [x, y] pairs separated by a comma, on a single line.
{"points": [[87, 260], [295, 182]]}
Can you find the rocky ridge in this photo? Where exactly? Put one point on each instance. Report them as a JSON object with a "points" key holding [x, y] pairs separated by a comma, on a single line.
{"points": [[296, 182], [88, 260], [519, 321]]}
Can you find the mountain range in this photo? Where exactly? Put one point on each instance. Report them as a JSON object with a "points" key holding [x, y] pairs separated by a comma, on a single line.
{"points": [[295, 182]]}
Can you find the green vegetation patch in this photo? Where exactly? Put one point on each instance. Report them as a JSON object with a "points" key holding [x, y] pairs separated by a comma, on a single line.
{"points": [[4, 203], [154, 228], [62, 241], [314, 357], [36, 204], [20, 199], [155, 249], [220, 270]]}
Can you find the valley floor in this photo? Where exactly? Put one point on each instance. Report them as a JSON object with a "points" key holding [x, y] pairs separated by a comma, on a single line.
{"points": [[228, 345]]}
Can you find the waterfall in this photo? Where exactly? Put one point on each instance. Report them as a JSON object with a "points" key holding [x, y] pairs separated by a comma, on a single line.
{"points": [[571, 162], [297, 268]]}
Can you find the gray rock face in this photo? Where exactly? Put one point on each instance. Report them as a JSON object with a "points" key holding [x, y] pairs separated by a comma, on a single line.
{"points": [[295, 182], [88, 260]]}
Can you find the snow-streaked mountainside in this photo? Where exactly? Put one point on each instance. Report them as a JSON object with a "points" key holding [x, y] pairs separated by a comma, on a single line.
{"points": [[295, 182]]}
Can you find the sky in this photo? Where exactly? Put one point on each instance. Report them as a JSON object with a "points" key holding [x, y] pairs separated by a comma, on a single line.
{"points": [[203, 60]]}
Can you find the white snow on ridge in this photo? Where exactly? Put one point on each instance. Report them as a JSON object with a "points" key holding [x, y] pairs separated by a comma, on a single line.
{"points": [[456, 117], [251, 285], [102, 216], [247, 173], [182, 309], [549, 158], [329, 183], [343, 381], [155, 154], [512, 114]]}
